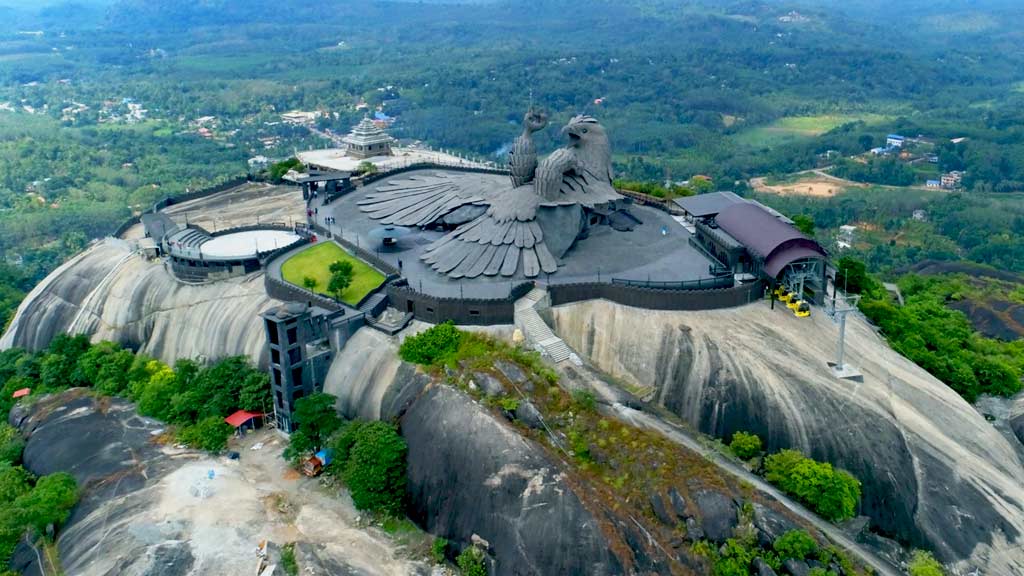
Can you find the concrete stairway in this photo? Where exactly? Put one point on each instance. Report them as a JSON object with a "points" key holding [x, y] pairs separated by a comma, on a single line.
{"points": [[535, 329], [375, 304]]}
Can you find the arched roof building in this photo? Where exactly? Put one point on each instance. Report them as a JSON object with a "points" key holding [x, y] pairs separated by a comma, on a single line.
{"points": [[775, 243]]}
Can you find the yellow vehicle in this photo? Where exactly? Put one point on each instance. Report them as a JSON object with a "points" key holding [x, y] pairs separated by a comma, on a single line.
{"points": [[780, 290], [785, 296], [794, 302], [803, 310]]}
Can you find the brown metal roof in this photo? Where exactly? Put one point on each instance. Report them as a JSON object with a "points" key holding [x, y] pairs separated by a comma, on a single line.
{"points": [[764, 235]]}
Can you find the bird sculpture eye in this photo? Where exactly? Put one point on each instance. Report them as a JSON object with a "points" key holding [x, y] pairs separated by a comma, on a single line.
{"points": [[584, 130]]}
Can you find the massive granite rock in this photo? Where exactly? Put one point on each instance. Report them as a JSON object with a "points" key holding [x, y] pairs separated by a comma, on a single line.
{"points": [[934, 472], [113, 293], [470, 473], [161, 511]]}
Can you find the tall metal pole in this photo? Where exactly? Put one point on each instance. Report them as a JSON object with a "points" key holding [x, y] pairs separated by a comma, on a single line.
{"points": [[842, 340]]}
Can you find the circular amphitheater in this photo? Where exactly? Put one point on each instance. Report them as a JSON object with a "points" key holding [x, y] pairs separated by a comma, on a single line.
{"points": [[198, 255]]}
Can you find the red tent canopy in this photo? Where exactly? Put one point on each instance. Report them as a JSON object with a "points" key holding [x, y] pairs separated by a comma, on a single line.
{"points": [[241, 417], [21, 392]]}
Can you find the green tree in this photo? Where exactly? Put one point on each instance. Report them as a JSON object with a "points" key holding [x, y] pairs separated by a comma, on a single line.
{"points": [[852, 276], [471, 562], [254, 394], [376, 468], [805, 224], [154, 396], [432, 346], [745, 445], [341, 278], [309, 283], [59, 367], [924, 564], [11, 445], [317, 418], [365, 168], [210, 434], [795, 544], [106, 367], [15, 482], [834, 494], [49, 502], [277, 171]]}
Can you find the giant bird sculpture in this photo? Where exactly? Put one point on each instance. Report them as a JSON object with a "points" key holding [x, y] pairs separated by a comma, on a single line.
{"points": [[503, 227]]}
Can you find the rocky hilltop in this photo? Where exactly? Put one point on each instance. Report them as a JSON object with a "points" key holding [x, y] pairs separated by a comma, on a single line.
{"points": [[935, 473], [113, 293], [147, 508]]}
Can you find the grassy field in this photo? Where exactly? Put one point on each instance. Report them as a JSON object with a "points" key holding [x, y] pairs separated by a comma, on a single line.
{"points": [[315, 261], [793, 128]]}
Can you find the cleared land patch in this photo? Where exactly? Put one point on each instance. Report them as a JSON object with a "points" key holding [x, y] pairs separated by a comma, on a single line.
{"points": [[815, 184], [792, 128], [315, 262]]}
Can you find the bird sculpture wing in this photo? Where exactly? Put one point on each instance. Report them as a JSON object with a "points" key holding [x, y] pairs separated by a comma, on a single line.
{"points": [[423, 198], [551, 170], [506, 239]]}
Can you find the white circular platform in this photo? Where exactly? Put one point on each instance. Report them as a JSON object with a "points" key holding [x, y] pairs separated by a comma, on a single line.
{"points": [[247, 244]]}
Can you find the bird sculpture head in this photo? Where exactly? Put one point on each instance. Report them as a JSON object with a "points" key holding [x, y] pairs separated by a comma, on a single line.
{"points": [[589, 142], [535, 120]]}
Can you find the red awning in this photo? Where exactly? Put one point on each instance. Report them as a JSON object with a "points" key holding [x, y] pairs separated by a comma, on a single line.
{"points": [[241, 417], [21, 393]]}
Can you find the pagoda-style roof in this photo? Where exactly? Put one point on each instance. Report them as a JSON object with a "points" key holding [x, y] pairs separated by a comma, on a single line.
{"points": [[366, 133]]}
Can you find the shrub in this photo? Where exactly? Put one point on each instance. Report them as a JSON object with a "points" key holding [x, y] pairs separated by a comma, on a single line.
{"points": [[342, 441], [210, 434], [375, 472], [584, 400], [438, 549], [317, 418], [471, 562], [745, 445], [11, 445], [795, 544], [832, 493], [924, 564], [49, 502], [288, 562], [432, 346], [509, 404]]}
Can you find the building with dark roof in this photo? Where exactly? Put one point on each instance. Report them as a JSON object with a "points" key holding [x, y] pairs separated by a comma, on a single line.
{"points": [[707, 205], [749, 238]]}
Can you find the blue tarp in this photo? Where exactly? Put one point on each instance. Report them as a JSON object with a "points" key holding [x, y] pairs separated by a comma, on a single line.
{"points": [[324, 456]]}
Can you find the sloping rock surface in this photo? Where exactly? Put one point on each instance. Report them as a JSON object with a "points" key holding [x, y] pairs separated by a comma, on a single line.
{"points": [[111, 293], [934, 472], [468, 472]]}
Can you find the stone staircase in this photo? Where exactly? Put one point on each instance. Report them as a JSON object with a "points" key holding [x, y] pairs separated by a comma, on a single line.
{"points": [[375, 304], [535, 329]]}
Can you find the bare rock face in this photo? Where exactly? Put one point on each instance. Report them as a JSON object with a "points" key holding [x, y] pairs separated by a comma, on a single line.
{"points": [[934, 472], [469, 473], [111, 293]]}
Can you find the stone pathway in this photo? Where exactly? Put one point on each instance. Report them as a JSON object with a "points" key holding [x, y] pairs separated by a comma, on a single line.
{"points": [[535, 329]]}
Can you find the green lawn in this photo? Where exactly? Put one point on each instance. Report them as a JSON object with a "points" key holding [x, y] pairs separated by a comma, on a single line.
{"points": [[314, 263], [793, 128]]}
